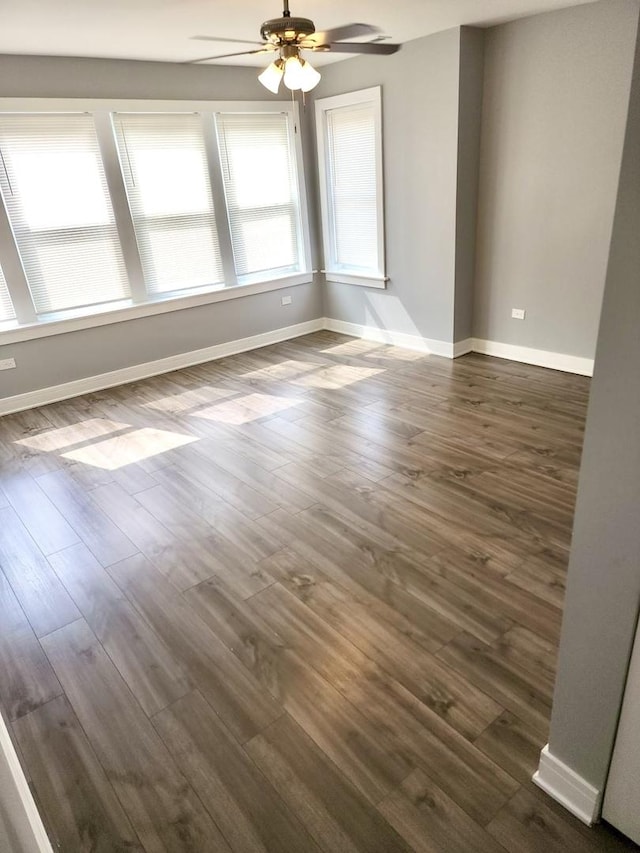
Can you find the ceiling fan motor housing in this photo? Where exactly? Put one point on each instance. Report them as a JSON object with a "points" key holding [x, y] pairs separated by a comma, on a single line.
{"points": [[286, 30]]}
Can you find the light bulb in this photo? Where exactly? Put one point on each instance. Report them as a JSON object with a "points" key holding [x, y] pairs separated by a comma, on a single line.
{"points": [[309, 77], [271, 76], [293, 73]]}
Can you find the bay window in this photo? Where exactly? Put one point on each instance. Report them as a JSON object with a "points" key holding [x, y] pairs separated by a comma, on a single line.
{"points": [[116, 207]]}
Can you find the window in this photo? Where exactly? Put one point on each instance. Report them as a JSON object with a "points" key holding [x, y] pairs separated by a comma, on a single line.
{"points": [[258, 168], [114, 210], [6, 307], [350, 162], [56, 195], [164, 163]]}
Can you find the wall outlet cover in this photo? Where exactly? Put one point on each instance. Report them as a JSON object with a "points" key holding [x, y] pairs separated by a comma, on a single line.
{"points": [[518, 313], [7, 363], [286, 300]]}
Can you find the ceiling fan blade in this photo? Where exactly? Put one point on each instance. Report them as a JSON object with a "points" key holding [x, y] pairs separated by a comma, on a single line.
{"points": [[376, 47], [227, 55], [348, 31], [218, 38]]}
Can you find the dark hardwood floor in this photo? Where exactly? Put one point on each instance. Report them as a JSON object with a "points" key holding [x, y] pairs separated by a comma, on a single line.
{"points": [[302, 599]]}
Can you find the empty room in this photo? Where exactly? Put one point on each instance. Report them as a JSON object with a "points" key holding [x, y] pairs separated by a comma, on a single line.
{"points": [[319, 407]]}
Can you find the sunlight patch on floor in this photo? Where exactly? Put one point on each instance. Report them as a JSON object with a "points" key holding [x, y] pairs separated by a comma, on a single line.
{"points": [[191, 399], [121, 450], [338, 376], [248, 408], [374, 349], [56, 439], [286, 370]]}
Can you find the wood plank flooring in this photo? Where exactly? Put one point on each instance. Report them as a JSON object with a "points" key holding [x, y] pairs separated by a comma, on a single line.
{"points": [[306, 598]]}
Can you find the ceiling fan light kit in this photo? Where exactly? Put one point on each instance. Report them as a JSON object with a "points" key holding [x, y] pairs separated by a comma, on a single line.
{"points": [[289, 36], [290, 68]]}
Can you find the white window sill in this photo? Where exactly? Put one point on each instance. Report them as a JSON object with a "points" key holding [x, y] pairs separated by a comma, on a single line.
{"points": [[106, 314], [378, 281]]}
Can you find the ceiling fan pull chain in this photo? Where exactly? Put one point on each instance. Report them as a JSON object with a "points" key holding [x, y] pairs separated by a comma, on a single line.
{"points": [[6, 171]]}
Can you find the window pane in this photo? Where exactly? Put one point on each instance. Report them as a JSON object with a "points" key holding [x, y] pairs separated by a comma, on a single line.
{"points": [[351, 138], [165, 167], [57, 199], [6, 308], [258, 167]]}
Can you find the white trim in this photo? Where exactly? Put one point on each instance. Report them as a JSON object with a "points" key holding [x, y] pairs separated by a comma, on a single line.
{"points": [[54, 393], [397, 339], [361, 280], [139, 105], [526, 355], [429, 346], [569, 789], [539, 357], [462, 347], [46, 328], [18, 803]]}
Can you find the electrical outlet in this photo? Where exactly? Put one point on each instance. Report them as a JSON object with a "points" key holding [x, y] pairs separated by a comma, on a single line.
{"points": [[518, 313], [7, 363], [286, 300]]}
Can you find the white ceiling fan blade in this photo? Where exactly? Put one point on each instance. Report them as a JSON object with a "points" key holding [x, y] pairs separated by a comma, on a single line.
{"points": [[221, 39], [227, 55], [373, 47], [348, 31]]}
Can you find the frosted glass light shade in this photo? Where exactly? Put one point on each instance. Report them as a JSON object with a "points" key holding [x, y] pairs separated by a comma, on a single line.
{"points": [[299, 74], [309, 77], [271, 76], [293, 73]]}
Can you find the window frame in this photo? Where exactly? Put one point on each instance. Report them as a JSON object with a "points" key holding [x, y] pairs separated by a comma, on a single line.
{"points": [[376, 277], [228, 273], [142, 303], [302, 226]]}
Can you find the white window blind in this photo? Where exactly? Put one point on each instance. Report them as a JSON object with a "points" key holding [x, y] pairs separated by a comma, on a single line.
{"points": [[263, 205], [164, 162], [352, 170], [56, 195], [6, 307], [350, 160]]}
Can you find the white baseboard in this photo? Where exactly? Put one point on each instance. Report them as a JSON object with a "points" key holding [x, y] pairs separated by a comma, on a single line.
{"points": [[539, 357], [567, 788], [462, 347], [27, 830], [526, 355], [55, 393], [429, 346]]}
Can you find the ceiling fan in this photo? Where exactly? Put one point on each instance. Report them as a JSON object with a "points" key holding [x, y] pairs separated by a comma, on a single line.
{"points": [[287, 36]]}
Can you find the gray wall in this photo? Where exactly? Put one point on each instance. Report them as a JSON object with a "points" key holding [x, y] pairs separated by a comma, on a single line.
{"points": [[54, 360], [74, 77], [603, 593], [555, 100], [89, 352], [420, 139], [469, 125]]}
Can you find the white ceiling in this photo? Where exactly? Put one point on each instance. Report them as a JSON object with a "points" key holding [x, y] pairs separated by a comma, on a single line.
{"points": [[162, 29]]}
